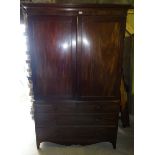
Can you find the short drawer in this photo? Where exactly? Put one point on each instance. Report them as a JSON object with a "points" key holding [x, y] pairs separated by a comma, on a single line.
{"points": [[77, 107]]}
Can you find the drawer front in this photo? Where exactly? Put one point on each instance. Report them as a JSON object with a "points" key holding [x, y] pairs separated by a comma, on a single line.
{"points": [[47, 120], [75, 134], [77, 107]]}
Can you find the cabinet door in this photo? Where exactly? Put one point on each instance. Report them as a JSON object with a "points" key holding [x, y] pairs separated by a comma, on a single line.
{"points": [[99, 56], [53, 45]]}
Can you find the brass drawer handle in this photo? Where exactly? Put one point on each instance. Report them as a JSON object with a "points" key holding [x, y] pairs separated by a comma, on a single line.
{"points": [[80, 12]]}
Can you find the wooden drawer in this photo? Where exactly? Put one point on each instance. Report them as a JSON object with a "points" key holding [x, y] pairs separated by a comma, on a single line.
{"points": [[77, 107], [47, 120], [75, 134]]}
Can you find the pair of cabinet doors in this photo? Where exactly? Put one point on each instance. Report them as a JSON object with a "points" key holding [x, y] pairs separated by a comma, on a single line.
{"points": [[75, 56]]}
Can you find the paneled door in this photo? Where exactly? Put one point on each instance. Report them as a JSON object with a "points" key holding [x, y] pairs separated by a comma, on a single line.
{"points": [[99, 56], [53, 55]]}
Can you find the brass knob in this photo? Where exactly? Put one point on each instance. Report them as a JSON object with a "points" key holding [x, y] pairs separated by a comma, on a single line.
{"points": [[80, 12]]}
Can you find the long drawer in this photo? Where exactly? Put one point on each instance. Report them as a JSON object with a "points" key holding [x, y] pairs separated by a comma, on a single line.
{"points": [[75, 134], [77, 107], [47, 119]]}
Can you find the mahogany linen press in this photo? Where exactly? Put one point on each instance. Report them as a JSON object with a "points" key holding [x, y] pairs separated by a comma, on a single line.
{"points": [[75, 60]]}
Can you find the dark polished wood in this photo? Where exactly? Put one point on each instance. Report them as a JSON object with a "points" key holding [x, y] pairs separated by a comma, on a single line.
{"points": [[76, 134], [53, 52], [76, 106], [75, 60], [99, 57]]}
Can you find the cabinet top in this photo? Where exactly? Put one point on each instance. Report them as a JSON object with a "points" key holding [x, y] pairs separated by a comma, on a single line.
{"points": [[77, 5], [118, 10]]}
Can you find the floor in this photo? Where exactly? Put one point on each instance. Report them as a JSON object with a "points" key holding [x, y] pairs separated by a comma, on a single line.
{"points": [[17, 126]]}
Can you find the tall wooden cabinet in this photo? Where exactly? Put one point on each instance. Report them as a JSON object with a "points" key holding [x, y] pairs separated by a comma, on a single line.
{"points": [[75, 60]]}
